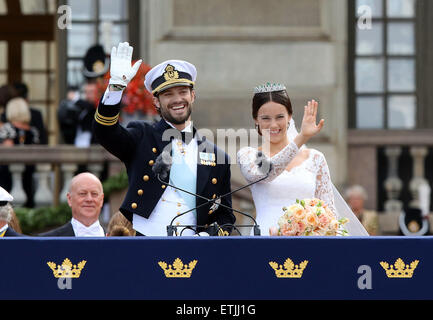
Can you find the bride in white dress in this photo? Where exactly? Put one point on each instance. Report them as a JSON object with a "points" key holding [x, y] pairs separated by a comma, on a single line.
{"points": [[297, 172]]}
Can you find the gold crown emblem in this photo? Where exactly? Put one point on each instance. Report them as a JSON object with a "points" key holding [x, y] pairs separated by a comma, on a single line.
{"points": [[170, 73], [399, 269], [178, 269], [223, 233], [67, 269], [289, 269]]}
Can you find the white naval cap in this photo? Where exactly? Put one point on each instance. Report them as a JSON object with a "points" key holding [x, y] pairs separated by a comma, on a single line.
{"points": [[5, 197], [168, 74]]}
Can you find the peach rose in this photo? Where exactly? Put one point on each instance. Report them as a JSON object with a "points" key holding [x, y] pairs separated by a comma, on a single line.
{"points": [[313, 202], [288, 230], [324, 220], [301, 227], [299, 214], [312, 219]]}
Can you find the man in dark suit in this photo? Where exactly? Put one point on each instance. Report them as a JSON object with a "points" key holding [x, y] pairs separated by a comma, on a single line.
{"points": [[6, 215], [85, 197], [199, 167]]}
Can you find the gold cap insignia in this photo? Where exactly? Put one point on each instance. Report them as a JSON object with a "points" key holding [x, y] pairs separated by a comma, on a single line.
{"points": [[67, 269], [178, 269], [399, 269], [170, 73], [288, 269]]}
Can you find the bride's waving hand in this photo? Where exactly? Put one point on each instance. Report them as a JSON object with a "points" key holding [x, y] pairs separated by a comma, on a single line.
{"points": [[309, 128]]}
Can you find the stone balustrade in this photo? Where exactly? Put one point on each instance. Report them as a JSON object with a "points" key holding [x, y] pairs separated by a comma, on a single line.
{"points": [[56, 165], [395, 168], [54, 168]]}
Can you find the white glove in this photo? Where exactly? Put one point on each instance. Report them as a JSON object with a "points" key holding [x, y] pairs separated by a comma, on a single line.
{"points": [[121, 71]]}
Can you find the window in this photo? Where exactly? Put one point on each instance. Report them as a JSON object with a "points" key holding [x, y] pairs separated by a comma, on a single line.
{"points": [[103, 22], [382, 56], [27, 51]]}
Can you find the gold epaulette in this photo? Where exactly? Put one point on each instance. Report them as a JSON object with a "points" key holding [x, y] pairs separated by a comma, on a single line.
{"points": [[106, 121]]}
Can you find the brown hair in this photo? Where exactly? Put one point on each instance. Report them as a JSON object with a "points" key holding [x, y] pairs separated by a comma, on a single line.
{"points": [[6, 93], [15, 222], [280, 97], [120, 226]]}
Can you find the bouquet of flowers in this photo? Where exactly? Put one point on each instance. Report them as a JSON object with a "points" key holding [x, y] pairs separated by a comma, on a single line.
{"points": [[309, 217]]}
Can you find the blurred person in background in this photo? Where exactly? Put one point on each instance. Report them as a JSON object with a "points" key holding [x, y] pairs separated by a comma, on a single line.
{"points": [[19, 131], [67, 115], [87, 106], [120, 226], [37, 124], [75, 115], [18, 117], [356, 197], [6, 132], [36, 119], [6, 93]]}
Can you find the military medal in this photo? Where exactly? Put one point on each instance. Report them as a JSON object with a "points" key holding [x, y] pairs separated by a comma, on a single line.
{"points": [[207, 159]]}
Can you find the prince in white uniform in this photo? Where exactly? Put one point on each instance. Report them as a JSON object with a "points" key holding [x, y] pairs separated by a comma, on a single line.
{"points": [[198, 166]]}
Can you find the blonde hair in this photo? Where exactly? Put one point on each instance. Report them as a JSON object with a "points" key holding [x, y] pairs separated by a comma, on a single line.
{"points": [[18, 110], [6, 212]]}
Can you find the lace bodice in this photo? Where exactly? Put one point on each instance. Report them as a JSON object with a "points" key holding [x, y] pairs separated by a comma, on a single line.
{"points": [[247, 158], [309, 179]]}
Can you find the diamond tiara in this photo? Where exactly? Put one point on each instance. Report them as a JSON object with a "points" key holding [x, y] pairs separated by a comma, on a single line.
{"points": [[269, 87]]}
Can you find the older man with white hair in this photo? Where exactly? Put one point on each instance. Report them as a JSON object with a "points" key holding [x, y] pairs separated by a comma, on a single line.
{"points": [[356, 197], [85, 197], [6, 212]]}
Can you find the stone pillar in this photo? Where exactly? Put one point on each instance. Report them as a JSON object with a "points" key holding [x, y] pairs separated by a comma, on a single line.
{"points": [[68, 171], [96, 169], [17, 185], [393, 183], [418, 179], [44, 194]]}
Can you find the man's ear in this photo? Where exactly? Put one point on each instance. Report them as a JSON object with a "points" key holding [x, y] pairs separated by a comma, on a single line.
{"points": [[68, 196], [156, 103], [192, 95]]}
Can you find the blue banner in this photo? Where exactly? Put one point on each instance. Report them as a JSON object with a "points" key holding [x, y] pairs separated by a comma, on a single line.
{"points": [[217, 268]]}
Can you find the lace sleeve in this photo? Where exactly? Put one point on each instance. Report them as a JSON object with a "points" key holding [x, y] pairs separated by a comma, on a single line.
{"points": [[247, 157], [324, 190]]}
